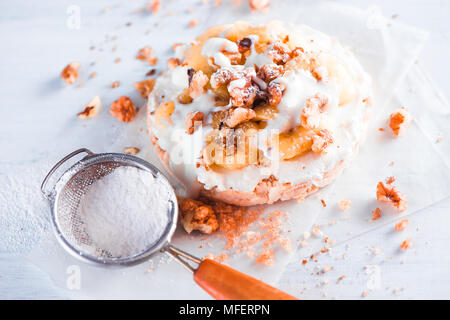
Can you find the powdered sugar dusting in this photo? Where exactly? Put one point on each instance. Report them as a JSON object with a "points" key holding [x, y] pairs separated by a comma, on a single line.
{"points": [[126, 211]]}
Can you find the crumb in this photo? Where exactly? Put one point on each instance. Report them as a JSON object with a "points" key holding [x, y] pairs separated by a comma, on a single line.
{"points": [[376, 214], [390, 195], [123, 109], [344, 204], [196, 215], [193, 23], [91, 109], [259, 4], [326, 269], [406, 244], [439, 139], [131, 150], [70, 72], [364, 293], [381, 129], [323, 203], [399, 121], [306, 235], [402, 225], [317, 232], [266, 257], [390, 180], [304, 244], [150, 73], [145, 87], [154, 6], [93, 75], [115, 84], [146, 54], [117, 60]]}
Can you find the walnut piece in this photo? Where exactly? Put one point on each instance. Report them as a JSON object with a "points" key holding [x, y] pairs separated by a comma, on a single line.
{"points": [[146, 54], [172, 63], [197, 84], [123, 109], [389, 194], [238, 115], [145, 87], [70, 72], [310, 117], [195, 215], [321, 141], [91, 109], [192, 121]]}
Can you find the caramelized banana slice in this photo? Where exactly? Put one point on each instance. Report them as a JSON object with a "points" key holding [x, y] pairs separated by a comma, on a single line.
{"points": [[295, 142]]}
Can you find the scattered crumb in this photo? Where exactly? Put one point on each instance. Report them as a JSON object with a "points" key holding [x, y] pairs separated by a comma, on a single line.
{"points": [[376, 214], [406, 244], [146, 54], [117, 60], [259, 5], [193, 23], [323, 203], [115, 84], [402, 225], [399, 121], [131, 150], [344, 204], [145, 87]]}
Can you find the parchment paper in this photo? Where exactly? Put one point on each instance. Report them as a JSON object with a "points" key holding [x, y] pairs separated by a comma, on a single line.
{"points": [[387, 50]]}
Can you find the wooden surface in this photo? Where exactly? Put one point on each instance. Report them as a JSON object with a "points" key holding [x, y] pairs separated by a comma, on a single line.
{"points": [[29, 28]]}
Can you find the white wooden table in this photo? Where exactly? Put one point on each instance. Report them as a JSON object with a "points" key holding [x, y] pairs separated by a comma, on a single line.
{"points": [[29, 31]]}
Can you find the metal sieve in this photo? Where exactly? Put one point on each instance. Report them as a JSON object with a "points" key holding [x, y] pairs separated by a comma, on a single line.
{"points": [[71, 231]]}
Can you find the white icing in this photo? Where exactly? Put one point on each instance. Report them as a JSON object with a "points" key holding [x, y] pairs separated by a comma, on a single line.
{"points": [[346, 123], [213, 47]]}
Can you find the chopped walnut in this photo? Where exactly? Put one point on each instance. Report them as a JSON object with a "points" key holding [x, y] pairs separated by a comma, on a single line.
{"points": [[406, 244], [259, 4], [275, 91], [184, 97], [321, 141], [195, 215], [310, 117], [146, 54], [279, 52], [115, 84], [192, 121], [400, 226], [390, 194], [269, 72], [145, 87], [123, 109], [172, 63], [131, 150], [197, 84], [244, 44], [238, 115], [399, 121], [242, 92], [70, 72], [91, 109]]}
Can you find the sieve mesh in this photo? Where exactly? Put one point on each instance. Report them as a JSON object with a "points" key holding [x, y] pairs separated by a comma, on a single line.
{"points": [[70, 189]]}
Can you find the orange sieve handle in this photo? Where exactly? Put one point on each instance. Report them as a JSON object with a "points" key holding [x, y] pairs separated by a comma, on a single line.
{"points": [[225, 283]]}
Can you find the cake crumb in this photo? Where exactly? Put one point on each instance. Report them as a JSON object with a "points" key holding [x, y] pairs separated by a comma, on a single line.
{"points": [[399, 121], [344, 204], [406, 244], [402, 225]]}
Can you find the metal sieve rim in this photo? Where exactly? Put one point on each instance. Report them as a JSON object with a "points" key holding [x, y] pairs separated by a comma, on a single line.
{"points": [[95, 159]]}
